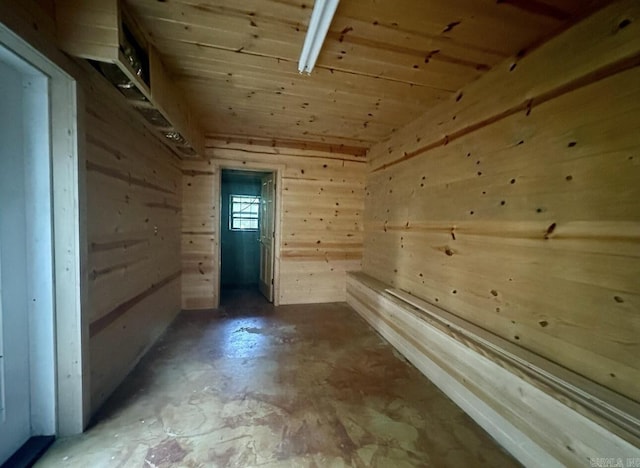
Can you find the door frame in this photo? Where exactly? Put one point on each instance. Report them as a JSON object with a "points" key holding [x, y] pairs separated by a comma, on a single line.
{"points": [[68, 214], [277, 170], [267, 231]]}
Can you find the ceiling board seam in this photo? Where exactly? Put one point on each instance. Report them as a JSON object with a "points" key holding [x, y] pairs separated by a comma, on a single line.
{"points": [[241, 50], [358, 151]]}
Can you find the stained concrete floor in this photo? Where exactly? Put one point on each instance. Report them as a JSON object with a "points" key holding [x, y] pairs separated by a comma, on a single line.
{"points": [[293, 386]]}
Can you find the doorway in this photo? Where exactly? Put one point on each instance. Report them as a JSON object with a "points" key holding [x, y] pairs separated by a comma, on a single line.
{"points": [[43, 338], [247, 235], [27, 356]]}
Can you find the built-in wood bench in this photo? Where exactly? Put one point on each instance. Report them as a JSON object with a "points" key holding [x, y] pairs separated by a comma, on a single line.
{"points": [[544, 414]]}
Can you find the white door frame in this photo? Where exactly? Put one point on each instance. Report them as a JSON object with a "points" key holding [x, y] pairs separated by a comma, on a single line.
{"points": [[69, 238], [278, 170]]}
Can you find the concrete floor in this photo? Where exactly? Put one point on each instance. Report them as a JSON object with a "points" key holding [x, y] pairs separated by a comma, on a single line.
{"points": [[294, 386]]}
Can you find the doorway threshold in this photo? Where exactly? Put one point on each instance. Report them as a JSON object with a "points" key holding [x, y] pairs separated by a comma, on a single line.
{"points": [[30, 452]]}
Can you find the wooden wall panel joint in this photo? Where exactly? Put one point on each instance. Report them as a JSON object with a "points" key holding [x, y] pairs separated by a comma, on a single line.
{"points": [[97, 326]]}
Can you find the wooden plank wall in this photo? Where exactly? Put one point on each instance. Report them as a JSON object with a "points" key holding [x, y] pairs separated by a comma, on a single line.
{"points": [[516, 204], [200, 228], [321, 230], [133, 231]]}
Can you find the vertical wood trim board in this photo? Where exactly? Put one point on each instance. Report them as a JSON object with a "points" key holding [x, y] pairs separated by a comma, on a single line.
{"points": [[516, 205], [320, 231], [538, 429]]}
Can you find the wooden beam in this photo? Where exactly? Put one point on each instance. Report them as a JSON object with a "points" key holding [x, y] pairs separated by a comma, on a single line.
{"points": [[357, 151], [168, 98]]}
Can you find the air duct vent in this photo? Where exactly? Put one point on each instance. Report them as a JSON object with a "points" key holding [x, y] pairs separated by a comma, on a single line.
{"points": [[135, 55], [187, 150], [121, 81], [154, 117]]}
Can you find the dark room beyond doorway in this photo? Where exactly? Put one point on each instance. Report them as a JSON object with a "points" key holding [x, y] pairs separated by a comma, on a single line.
{"points": [[245, 208]]}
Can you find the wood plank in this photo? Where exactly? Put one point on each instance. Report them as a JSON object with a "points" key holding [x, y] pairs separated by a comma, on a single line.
{"points": [[169, 99], [134, 332], [88, 29], [199, 61], [283, 146]]}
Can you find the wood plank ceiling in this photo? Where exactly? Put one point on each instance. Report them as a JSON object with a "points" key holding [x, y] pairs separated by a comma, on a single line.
{"points": [[385, 62]]}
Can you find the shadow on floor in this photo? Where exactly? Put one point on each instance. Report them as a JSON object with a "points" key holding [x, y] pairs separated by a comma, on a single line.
{"points": [[243, 300]]}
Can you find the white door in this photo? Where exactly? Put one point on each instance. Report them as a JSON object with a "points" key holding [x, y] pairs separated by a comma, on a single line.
{"points": [[15, 420], [15, 416], [27, 363], [267, 232]]}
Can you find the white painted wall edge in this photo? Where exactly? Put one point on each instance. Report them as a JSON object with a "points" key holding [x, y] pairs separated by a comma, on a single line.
{"points": [[534, 427]]}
